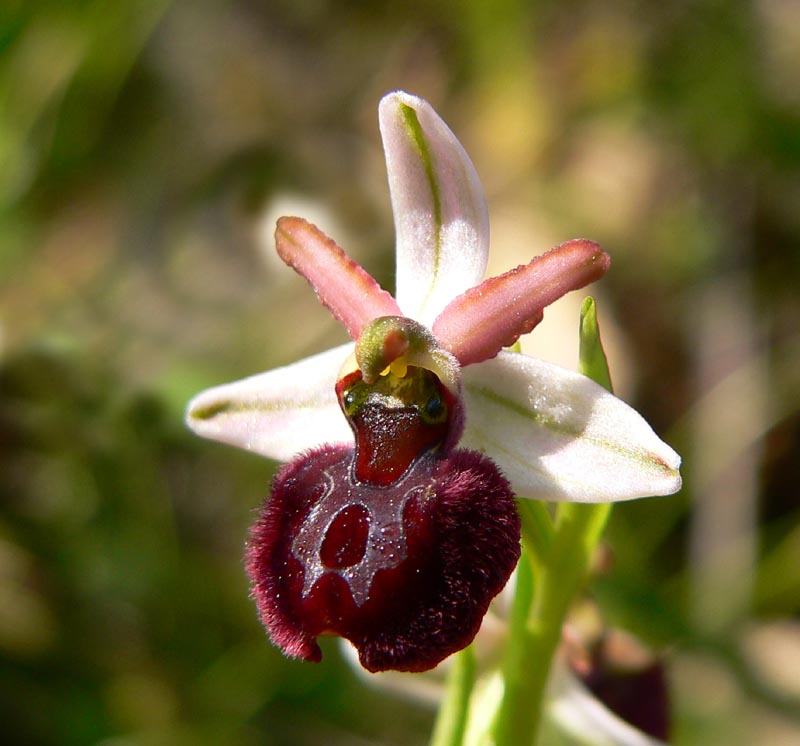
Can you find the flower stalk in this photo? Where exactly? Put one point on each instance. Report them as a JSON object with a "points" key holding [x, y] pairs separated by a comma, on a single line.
{"points": [[555, 560], [451, 720]]}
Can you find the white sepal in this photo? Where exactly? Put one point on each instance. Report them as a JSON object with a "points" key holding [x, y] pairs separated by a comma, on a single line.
{"points": [[557, 435], [440, 214], [276, 414]]}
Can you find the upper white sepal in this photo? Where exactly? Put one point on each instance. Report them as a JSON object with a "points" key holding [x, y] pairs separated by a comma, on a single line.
{"points": [[440, 213]]}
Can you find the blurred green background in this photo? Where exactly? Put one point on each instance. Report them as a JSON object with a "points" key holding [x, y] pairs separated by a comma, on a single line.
{"points": [[145, 150]]}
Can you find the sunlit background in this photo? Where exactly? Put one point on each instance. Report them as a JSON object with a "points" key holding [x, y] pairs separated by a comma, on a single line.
{"points": [[145, 151]]}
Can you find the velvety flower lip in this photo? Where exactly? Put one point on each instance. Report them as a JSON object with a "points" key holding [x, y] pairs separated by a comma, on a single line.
{"points": [[555, 434]]}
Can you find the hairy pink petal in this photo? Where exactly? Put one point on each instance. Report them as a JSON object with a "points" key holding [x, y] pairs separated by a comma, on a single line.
{"points": [[476, 325], [346, 289]]}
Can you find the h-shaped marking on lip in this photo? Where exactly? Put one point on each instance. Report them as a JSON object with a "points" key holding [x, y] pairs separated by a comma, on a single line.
{"points": [[386, 542]]}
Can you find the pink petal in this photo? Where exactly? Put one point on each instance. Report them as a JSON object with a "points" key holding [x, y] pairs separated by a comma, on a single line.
{"points": [[347, 290], [480, 322]]}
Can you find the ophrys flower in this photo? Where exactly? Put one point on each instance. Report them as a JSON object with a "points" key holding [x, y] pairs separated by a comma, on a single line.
{"points": [[382, 530]]}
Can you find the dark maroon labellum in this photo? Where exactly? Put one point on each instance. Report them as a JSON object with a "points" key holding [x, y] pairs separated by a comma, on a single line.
{"points": [[395, 544], [405, 572]]}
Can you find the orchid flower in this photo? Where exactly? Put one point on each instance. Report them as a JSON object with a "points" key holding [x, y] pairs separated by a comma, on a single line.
{"points": [[393, 524], [589, 721]]}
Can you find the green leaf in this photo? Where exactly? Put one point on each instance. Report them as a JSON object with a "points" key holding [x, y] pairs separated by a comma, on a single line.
{"points": [[592, 357]]}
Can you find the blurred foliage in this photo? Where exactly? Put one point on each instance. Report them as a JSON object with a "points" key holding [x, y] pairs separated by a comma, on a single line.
{"points": [[142, 144]]}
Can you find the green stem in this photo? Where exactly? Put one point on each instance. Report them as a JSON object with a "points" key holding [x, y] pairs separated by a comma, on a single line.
{"points": [[558, 557], [451, 722], [534, 641], [537, 529]]}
